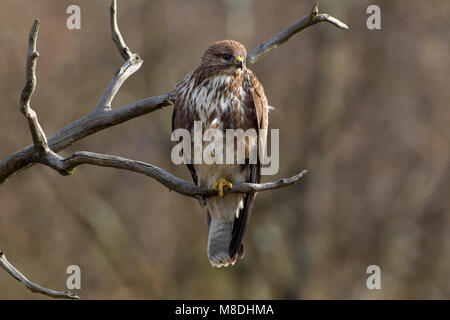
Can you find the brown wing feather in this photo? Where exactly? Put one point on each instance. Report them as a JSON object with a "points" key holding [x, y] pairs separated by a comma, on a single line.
{"points": [[178, 121], [259, 104]]}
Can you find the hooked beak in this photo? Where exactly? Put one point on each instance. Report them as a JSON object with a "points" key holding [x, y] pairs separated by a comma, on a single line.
{"points": [[240, 62]]}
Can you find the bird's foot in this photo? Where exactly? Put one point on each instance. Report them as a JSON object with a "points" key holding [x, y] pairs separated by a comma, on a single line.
{"points": [[220, 184]]}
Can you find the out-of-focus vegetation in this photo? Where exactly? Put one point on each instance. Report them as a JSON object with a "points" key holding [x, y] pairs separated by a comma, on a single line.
{"points": [[366, 112]]}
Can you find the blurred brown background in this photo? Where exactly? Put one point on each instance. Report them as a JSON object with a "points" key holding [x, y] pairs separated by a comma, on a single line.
{"points": [[366, 112]]}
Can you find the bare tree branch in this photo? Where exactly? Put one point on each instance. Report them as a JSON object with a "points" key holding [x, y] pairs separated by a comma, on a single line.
{"points": [[89, 124], [131, 66], [39, 139], [116, 36], [285, 35], [132, 63], [8, 267]]}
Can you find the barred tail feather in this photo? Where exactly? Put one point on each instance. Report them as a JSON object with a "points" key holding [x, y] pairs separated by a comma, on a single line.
{"points": [[219, 239]]}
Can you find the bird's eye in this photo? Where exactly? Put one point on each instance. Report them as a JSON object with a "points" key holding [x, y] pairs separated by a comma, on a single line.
{"points": [[226, 56]]}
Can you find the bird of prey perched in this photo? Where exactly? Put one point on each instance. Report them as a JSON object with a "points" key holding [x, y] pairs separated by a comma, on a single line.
{"points": [[223, 94]]}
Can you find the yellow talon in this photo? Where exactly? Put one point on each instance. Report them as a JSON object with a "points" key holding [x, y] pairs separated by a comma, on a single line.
{"points": [[220, 184]]}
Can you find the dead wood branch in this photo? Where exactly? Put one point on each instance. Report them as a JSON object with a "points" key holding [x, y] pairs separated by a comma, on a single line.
{"points": [[8, 267], [103, 116]]}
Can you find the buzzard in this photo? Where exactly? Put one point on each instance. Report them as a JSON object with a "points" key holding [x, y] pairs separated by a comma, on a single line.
{"points": [[221, 93]]}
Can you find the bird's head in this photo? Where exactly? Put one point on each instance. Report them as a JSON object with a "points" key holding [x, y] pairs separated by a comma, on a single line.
{"points": [[226, 56]]}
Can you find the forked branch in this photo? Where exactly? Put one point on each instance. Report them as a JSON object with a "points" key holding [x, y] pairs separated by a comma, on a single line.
{"points": [[181, 186]]}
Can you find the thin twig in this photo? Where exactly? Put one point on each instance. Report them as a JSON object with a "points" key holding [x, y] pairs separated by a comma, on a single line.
{"points": [[116, 35], [132, 63], [39, 139], [35, 288], [312, 18]]}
